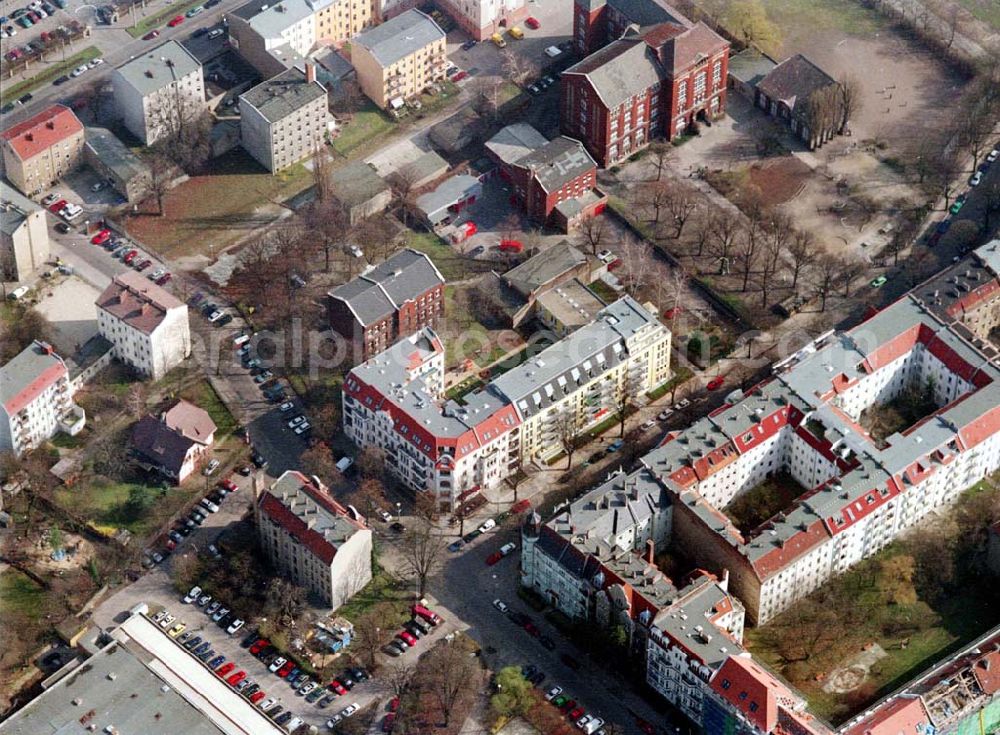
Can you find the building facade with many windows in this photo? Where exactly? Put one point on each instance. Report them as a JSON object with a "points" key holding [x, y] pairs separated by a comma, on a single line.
{"points": [[38, 152], [147, 326], [24, 235], [36, 399], [400, 58], [315, 541], [648, 84]]}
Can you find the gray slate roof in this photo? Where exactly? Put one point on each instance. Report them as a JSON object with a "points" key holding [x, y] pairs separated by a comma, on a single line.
{"points": [[283, 95], [794, 80], [750, 66], [399, 37], [377, 293], [269, 19], [14, 208], [514, 142], [114, 154], [539, 269], [446, 193], [159, 67], [558, 162], [648, 12], [356, 184], [620, 70]]}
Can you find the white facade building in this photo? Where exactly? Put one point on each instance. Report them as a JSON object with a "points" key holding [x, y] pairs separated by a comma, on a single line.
{"points": [[159, 91], [36, 400], [318, 543], [147, 326], [395, 401]]}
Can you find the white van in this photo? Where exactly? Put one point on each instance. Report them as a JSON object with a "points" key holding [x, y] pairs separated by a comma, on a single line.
{"points": [[344, 463], [18, 293], [241, 340]]}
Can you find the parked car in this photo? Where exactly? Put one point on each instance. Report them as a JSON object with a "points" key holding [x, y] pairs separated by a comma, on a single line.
{"points": [[716, 382], [234, 626], [176, 21], [532, 23], [502, 607]]}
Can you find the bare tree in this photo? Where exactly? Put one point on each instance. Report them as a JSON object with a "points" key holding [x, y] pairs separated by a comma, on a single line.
{"points": [[990, 198], [161, 172], [636, 268], [518, 68], [850, 270], [750, 247], [681, 206], [322, 167], [656, 195], [975, 120], [726, 227], [801, 254], [135, 400], [374, 629], [592, 233], [849, 89], [659, 154], [404, 190], [823, 115], [486, 93], [451, 675], [400, 678], [825, 278], [422, 548], [181, 128], [565, 427]]}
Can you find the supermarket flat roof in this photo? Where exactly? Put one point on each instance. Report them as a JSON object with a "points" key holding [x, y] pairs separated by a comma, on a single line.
{"points": [[228, 711]]}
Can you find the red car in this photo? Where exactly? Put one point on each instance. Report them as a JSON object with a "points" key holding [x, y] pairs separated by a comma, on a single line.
{"points": [[616, 263], [225, 668], [532, 630], [257, 696], [460, 76], [236, 678], [336, 686], [577, 713], [511, 246], [130, 256], [568, 705], [162, 280], [493, 558], [261, 642], [286, 669], [101, 237], [716, 382], [431, 617], [671, 313], [151, 35], [407, 638], [56, 206], [176, 21], [388, 722], [532, 23], [229, 485]]}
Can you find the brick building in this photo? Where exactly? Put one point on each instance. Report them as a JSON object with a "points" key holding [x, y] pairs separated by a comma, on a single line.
{"points": [[649, 84], [597, 22], [549, 178], [393, 300]]}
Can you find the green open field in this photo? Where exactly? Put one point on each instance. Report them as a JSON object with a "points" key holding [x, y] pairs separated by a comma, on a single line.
{"points": [[234, 197], [19, 594], [160, 18], [367, 124], [49, 73], [987, 11], [203, 394], [845, 16]]}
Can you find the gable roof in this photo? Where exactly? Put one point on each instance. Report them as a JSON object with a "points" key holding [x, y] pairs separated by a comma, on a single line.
{"points": [[190, 420], [679, 48], [752, 691], [39, 133], [794, 80], [283, 95], [377, 293], [542, 268], [399, 37], [356, 183], [620, 70], [155, 441], [137, 301], [648, 12], [515, 141], [903, 716]]}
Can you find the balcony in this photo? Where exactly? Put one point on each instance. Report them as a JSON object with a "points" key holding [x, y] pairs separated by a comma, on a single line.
{"points": [[73, 421]]}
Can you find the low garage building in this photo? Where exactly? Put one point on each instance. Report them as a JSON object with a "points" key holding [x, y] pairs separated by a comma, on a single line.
{"points": [[113, 161]]}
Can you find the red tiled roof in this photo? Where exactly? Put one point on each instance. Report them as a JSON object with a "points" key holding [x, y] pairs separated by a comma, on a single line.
{"points": [[137, 301], [776, 560], [47, 377], [902, 716], [750, 690], [987, 672], [42, 131], [190, 420]]}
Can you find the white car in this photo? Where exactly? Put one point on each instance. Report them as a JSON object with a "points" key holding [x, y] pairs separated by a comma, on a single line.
{"points": [[216, 33], [487, 525], [286, 406], [204, 600], [507, 548], [307, 687], [349, 710], [79, 70], [553, 51], [156, 274], [303, 428], [220, 614], [234, 626], [268, 704], [193, 595], [215, 316], [993, 155], [976, 178], [277, 664], [296, 421], [648, 424], [160, 615], [209, 505], [665, 414], [605, 256], [211, 467], [356, 251], [553, 693], [383, 514], [167, 621], [96, 62], [499, 605], [293, 724], [582, 722]]}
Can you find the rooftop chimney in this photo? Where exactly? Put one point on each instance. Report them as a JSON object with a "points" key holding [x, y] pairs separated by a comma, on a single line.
{"points": [[650, 550], [310, 72]]}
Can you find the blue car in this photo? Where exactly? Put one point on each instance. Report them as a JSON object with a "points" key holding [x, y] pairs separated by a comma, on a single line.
{"points": [[216, 662], [207, 654], [192, 642], [206, 646], [616, 445]]}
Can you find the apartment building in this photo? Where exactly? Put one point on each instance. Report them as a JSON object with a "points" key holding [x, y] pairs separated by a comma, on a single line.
{"points": [[24, 235], [284, 119], [482, 18], [38, 152], [400, 58], [155, 93], [648, 84], [396, 298], [147, 326], [551, 179], [453, 450], [36, 399], [315, 541], [274, 37]]}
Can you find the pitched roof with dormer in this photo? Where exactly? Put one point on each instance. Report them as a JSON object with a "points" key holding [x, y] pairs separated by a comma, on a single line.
{"points": [[42, 131]]}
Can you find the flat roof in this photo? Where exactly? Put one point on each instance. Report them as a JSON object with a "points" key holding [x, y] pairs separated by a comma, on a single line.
{"points": [[269, 19], [15, 208], [159, 67], [571, 303], [283, 95], [141, 682], [114, 154]]}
